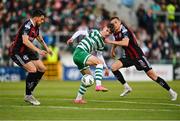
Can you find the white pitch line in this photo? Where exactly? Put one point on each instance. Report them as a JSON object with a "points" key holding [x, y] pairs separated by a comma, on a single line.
{"points": [[96, 109], [132, 102], [112, 101]]}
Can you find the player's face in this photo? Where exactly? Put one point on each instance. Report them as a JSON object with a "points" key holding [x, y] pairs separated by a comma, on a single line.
{"points": [[40, 20], [106, 31], [116, 24]]}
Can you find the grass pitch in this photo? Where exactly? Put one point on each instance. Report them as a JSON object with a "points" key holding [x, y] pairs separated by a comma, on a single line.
{"points": [[148, 101]]}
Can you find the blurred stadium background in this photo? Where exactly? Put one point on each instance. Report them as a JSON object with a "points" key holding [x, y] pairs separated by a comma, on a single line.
{"points": [[156, 24]]}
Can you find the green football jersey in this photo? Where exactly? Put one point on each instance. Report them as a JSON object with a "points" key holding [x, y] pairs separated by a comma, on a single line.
{"points": [[92, 42]]}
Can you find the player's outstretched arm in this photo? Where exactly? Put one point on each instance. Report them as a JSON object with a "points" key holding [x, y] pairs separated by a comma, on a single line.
{"points": [[76, 34], [41, 40]]}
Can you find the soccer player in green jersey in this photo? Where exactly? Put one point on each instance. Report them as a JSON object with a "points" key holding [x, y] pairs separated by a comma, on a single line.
{"points": [[83, 58], [85, 33]]}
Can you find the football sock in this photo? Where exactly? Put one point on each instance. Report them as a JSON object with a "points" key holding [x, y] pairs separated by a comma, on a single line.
{"points": [[126, 85], [81, 92], [30, 82], [170, 90], [38, 76], [163, 83], [119, 76], [98, 83], [98, 74]]}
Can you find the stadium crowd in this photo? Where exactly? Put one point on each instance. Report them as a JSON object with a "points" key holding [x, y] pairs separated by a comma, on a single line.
{"points": [[159, 40]]}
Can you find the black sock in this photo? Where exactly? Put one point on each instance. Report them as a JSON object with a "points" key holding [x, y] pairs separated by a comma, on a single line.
{"points": [[163, 83], [30, 83], [119, 76], [38, 76]]}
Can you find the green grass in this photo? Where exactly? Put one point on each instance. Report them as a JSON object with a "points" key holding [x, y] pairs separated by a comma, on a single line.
{"points": [[148, 101]]}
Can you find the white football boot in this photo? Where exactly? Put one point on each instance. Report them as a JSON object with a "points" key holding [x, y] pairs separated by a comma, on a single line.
{"points": [[173, 95], [31, 99], [126, 91]]}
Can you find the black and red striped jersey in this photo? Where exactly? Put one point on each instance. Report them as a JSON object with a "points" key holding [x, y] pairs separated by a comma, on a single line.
{"points": [[132, 51], [27, 28]]}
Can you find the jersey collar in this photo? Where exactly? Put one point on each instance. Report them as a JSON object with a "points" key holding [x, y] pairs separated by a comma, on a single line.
{"points": [[32, 22]]}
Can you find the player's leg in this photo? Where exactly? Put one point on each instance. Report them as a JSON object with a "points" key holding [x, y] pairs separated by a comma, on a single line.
{"points": [[79, 58], [30, 79], [82, 89], [30, 83], [40, 71], [25, 62], [143, 64], [115, 70], [91, 60], [161, 82], [94, 61]]}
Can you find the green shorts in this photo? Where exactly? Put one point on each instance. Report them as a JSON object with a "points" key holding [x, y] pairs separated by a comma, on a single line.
{"points": [[80, 57]]}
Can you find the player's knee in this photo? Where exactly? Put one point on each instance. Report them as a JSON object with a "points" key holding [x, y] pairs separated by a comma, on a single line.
{"points": [[114, 67], [32, 70], [43, 69], [152, 75]]}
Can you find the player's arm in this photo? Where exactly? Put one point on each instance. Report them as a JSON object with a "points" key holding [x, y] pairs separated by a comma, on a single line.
{"points": [[123, 42], [76, 34], [30, 45], [100, 56], [41, 41]]}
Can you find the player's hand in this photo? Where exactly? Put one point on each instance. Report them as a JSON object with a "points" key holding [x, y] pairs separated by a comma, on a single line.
{"points": [[70, 41], [106, 72], [42, 52], [49, 51]]}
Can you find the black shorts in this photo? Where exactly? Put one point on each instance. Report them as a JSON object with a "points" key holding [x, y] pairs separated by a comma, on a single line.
{"points": [[20, 60], [140, 64]]}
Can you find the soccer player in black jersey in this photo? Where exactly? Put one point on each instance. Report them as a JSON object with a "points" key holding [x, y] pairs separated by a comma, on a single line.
{"points": [[134, 56], [24, 53]]}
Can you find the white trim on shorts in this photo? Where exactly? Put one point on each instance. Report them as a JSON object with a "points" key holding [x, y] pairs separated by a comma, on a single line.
{"points": [[19, 59], [84, 62]]}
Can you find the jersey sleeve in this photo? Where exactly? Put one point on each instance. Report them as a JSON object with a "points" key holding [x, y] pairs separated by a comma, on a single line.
{"points": [[124, 32], [78, 33], [26, 29]]}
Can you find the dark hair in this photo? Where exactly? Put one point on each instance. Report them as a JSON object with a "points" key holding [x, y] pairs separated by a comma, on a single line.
{"points": [[111, 27], [37, 13], [115, 18]]}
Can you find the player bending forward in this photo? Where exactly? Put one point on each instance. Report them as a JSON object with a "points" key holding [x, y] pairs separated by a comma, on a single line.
{"points": [[24, 53], [133, 56]]}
